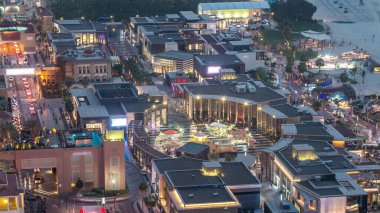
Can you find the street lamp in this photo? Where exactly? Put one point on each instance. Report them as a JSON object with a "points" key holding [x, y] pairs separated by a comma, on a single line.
{"points": [[113, 184]]}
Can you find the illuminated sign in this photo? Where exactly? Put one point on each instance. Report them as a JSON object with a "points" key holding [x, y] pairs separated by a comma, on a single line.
{"points": [[118, 122], [13, 28], [213, 70], [20, 71]]}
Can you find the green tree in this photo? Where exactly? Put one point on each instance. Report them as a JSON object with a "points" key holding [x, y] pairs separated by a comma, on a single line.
{"points": [[354, 70], [150, 202], [317, 105], [344, 77], [364, 73], [298, 10], [319, 63], [143, 187], [69, 106], [302, 68], [79, 184], [34, 127], [118, 68]]}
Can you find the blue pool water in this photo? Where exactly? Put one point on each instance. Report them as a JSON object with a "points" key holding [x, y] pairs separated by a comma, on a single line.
{"points": [[96, 140]]}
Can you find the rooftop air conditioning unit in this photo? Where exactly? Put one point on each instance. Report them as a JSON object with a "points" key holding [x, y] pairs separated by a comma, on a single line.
{"points": [[241, 88], [251, 88]]}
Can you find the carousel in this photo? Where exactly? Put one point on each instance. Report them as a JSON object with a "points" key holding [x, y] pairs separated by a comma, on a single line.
{"points": [[169, 141]]}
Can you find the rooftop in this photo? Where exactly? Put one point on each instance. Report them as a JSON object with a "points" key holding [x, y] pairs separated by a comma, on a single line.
{"points": [[218, 60], [230, 171], [175, 55], [76, 24], [210, 194], [173, 164], [187, 178], [227, 89], [9, 185], [193, 148], [234, 5]]}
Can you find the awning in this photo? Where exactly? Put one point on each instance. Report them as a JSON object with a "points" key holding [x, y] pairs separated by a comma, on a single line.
{"points": [[315, 35]]}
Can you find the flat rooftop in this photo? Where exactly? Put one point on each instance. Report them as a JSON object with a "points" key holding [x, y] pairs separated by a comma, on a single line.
{"points": [[173, 164], [193, 148], [199, 195], [186, 178], [218, 60], [262, 94], [175, 55], [76, 24], [230, 171], [234, 5]]}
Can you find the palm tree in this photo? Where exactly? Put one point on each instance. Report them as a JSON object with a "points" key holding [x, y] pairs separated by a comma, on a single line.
{"points": [[364, 73], [150, 202], [143, 188], [354, 70], [319, 63]]}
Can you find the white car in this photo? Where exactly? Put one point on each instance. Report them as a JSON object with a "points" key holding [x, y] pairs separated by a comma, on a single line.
{"points": [[10, 79]]}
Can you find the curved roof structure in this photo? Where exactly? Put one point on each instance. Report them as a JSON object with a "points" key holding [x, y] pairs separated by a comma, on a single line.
{"points": [[234, 5]]}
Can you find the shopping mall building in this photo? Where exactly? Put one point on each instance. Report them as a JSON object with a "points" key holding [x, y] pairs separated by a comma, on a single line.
{"points": [[229, 13], [17, 39]]}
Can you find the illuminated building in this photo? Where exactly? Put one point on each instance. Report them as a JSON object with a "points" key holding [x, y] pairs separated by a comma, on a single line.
{"points": [[16, 39], [209, 66], [231, 44], [172, 61], [98, 162], [84, 31], [186, 184], [174, 79], [11, 194], [113, 105], [228, 13], [270, 118], [313, 175], [57, 44], [234, 100], [311, 131], [46, 17], [89, 64], [186, 20]]}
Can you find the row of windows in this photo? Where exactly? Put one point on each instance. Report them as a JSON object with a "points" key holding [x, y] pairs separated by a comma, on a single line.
{"points": [[86, 69]]}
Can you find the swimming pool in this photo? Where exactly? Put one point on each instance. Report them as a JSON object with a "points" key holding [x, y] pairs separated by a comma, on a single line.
{"points": [[87, 139]]}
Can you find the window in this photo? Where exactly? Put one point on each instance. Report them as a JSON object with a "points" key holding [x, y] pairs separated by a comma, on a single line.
{"points": [[89, 176], [80, 70], [105, 68], [88, 69], [75, 176], [96, 69], [114, 162]]}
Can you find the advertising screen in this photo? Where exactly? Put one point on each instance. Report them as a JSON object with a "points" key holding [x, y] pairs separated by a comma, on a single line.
{"points": [[118, 122], [20, 71], [213, 70]]}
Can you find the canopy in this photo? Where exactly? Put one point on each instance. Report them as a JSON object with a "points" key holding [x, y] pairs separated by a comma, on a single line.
{"points": [[217, 125], [171, 132], [315, 35]]}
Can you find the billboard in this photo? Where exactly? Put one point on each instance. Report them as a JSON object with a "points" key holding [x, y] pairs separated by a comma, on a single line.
{"points": [[20, 71], [116, 122], [213, 70]]}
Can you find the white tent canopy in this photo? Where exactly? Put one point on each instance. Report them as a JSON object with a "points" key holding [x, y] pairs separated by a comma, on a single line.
{"points": [[315, 35]]}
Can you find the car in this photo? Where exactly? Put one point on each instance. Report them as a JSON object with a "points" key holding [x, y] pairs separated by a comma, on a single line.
{"points": [[345, 10], [340, 5], [23, 79], [29, 97], [33, 112], [10, 79], [28, 92], [31, 107]]}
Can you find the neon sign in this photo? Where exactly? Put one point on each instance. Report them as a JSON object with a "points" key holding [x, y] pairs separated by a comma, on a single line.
{"points": [[13, 28]]}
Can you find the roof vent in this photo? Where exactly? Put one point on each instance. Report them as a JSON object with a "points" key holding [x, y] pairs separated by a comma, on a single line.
{"points": [[215, 194], [193, 176], [318, 178], [190, 195]]}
